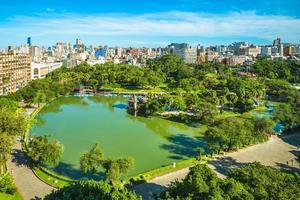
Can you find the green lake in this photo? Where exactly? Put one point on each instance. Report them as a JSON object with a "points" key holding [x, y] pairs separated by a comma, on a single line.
{"points": [[80, 122]]}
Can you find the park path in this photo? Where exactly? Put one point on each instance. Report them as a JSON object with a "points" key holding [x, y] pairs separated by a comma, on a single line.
{"points": [[29, 186], [278, 152], [19, 166]]}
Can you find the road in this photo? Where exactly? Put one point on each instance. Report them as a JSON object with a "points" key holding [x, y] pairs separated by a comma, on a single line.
{"points": [[29, 186], [278, 152]]}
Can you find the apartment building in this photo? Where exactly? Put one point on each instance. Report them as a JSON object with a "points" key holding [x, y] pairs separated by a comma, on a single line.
{"points": [[15, 71]]}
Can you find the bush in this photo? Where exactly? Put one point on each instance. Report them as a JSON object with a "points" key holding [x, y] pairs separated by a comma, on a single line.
{"points": [[7, 184]]}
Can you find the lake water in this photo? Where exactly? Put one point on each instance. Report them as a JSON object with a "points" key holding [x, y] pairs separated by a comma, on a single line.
{"points": [[80, 122]]}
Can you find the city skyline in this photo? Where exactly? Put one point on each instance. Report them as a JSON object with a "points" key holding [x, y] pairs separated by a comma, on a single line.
{"points": [[151, 24]]}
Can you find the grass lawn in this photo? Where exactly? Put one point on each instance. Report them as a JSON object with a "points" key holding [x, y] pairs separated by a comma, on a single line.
{"points": [[161, 171], [16, 196], [51, 178]]}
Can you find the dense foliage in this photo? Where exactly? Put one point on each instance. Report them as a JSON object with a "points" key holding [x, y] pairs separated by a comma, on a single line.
{"points": [[91, 190], [13, 124], [7, 184], [277, 69], [91, 161], [45, 151], [265, 182], [254, 181], [233, 133]]}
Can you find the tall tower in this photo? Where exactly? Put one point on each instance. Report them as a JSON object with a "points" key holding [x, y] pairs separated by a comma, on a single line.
{"points": [[29, 41], [277, 42]]}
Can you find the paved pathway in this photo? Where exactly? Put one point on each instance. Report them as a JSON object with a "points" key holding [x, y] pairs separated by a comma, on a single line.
{"points": [[276, 152], [29, 186]]}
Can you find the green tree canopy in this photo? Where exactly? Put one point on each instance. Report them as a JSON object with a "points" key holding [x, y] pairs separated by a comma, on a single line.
{"points": [[45, 151], [92, 160], [115, 167], [92, 190]]}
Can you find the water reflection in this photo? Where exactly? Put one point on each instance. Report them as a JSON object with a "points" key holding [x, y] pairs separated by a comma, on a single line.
{"points": [[55, 106], [182, 146], [69, 170], [108, 101], [162, 127]]}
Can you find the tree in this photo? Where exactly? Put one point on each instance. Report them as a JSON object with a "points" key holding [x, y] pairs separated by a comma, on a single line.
{"points": [[233, 133], [6, 143], [115, 167], [200, 151], [8, 104], [152, 106], [200, 183], [263, 125], [231, 98], [252, 181], [215, 139], [244, 105], [204, 109], [233, 189], [13, 122], [265, 182], [287, 115], [40, 98], [45, 151], [92, 160], [92, 190], [7, 184]]}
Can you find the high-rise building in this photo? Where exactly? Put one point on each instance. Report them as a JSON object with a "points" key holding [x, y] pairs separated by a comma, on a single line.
{"points": [[79, 46], [266, 51], [36, 53], [101, 52], [23, 49], [277, 42], [185, 51], [15, 71], [118, 52], [252, 51], [287, 50], [60, 49], [29, 41], [200, 54], [281, 50], [78, 42]]}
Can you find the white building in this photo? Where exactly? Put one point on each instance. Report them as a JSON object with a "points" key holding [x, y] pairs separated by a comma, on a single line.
{"points": [[40, 70], [36, 53], [60, 50], [24, 49], [185, 51]]}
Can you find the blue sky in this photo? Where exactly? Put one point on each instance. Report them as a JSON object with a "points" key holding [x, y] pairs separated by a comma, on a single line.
{"points": [[149, 23]]}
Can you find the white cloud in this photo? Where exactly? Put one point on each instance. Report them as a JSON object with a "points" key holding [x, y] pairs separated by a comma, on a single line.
{"points": [[50, 10], [247, 24]]}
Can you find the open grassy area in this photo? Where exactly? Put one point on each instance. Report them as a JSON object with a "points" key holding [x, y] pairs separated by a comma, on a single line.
{"points": [[51, 178]]}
